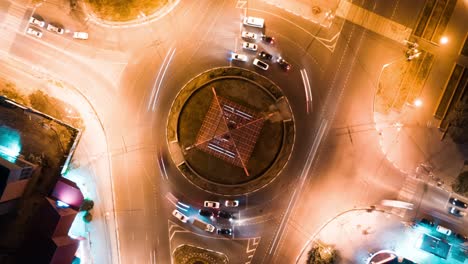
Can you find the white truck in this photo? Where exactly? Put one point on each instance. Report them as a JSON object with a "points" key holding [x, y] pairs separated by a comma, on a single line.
{"points": [[204, 226]]}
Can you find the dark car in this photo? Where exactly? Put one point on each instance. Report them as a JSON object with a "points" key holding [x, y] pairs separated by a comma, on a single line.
{"points": [[265, 55], [268, 39], [225, 231], [206, 213], [427, 222], [456, 212], [283, 64], [458, 203], [461, 237], [224, 214]]}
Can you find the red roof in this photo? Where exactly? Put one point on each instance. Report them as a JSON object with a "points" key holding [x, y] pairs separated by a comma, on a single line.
{"points": [[68, 192]]}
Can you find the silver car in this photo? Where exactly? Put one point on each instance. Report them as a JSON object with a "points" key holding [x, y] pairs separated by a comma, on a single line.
{"points": [[262, 65], [249, 35], [35, 32], [249, 46], [231, 203], [36, 22], [55, 29]]}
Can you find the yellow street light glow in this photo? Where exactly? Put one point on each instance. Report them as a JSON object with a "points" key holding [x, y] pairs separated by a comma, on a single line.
{"points": [[418, 102], [443, 40]]}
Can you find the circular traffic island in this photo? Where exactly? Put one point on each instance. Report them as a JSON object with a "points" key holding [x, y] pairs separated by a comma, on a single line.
{"points": [[230, 131]]}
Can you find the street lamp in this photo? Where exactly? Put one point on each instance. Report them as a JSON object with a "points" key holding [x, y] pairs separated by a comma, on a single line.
{"points": [[417, 102], [443, 40]]}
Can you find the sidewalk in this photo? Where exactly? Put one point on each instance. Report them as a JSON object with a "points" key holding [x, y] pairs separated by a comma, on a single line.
{"points": [[358, 234]]}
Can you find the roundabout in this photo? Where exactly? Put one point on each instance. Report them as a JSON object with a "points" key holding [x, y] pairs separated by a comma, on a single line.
{"points": [[230, 131]]}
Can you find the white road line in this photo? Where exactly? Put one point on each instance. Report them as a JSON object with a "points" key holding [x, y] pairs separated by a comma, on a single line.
{"points": [[162, 167], [305, 80], [153, 91], [162, 78], [282, 221]]}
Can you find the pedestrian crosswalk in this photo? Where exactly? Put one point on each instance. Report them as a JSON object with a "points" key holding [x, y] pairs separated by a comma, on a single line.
{"points": [[14, 20], [406, 194]]}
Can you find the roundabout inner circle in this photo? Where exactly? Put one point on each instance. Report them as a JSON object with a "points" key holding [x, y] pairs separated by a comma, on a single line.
{"points": [[230, 130]]}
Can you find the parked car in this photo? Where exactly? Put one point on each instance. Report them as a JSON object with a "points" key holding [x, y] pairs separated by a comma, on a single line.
{"points": [[249, 46], [426, 222], [254, 22], [231, 203], [456, 212], [211, 204], [461, 237], [283, 64], [206, 213], [55, 29], [268, 39], [183, 218], [225, 231], [443, 230], [225, 215], [35, 32], [238, 57], [458, 203], [36, 22], [80, 35], [249, 35], [265, 55], [262, 65]]}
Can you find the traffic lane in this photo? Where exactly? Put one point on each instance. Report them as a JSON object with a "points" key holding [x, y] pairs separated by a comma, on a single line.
{"points": [[274, 15], [136, 191], [348, 182]]}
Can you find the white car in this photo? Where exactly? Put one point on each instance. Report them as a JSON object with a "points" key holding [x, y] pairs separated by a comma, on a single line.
{"points": [[443, 230], [249, 46], [249, 35], [183, 218], [55, 29], [34, 32], [36, 22], [231, 203], [211, 204], [210, 228], [80, 35], [238, 57], [254, 22], [262, 65]]}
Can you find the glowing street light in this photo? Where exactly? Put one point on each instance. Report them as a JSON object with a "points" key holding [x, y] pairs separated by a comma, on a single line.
{"points": [[418, 102], [444, 40]]}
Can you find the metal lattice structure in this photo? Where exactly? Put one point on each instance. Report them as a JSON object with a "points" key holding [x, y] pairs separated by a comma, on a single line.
{"points": [[229, 131]]}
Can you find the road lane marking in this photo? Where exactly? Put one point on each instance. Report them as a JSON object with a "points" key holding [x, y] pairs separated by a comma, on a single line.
{"points": [[155, 91], [308, 91], [162, 167], [282, 222], [241, 3], [304, 173]]}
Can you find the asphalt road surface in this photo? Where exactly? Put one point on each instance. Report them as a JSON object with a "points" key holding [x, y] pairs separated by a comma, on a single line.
{"points": [[131, 76]]}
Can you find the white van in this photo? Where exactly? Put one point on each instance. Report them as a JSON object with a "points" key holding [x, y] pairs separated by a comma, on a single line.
{"points": [[443, 230], [254, 21]]}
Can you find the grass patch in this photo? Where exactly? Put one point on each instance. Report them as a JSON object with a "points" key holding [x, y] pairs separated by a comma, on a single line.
{"points": [[191, 118], [124, 10]]}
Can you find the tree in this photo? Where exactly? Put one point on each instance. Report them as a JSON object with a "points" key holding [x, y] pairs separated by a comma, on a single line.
{"points": [[87, 205], [461, 185], [322, 255], [87, 217], [458, 122]]}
